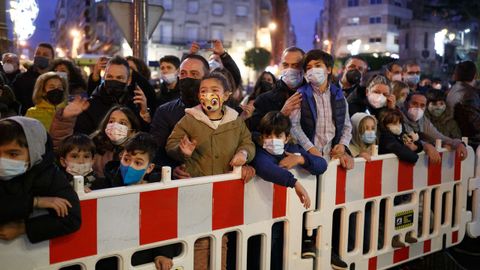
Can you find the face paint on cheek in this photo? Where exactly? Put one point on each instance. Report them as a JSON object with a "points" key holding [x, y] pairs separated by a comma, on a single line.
{"points": [[211, 102]]}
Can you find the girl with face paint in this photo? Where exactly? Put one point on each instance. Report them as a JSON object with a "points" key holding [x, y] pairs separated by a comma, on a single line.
{"points": [[49, 94]]}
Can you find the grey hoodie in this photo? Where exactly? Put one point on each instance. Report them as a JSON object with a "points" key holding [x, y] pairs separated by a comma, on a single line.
{"points": [[36, 137]]}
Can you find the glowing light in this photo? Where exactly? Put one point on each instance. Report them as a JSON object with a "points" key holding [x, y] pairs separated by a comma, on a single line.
{"points": [[375, 55], [23, 13], [366, 47], [395, 56], [272, 26], [387, 54], [74, 33], [466, 31], [451, 36], [249, 44], [354, 48], [22, 43], [439, 41], [326, 42]]}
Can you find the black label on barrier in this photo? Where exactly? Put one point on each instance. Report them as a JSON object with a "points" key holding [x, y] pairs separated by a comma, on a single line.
{"points": [[403, 219]]}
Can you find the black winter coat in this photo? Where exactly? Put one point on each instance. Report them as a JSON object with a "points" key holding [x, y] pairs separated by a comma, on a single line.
{"points": [[23, 88]]}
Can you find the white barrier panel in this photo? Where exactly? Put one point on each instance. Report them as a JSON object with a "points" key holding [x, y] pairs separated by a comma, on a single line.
{"points": [[473, 228], [121, 221]]}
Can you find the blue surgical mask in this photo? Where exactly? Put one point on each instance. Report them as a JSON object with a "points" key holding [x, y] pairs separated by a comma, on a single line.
{"points": [[131, 175], [274, 146], [9, 168], [292, 77], [316, 76], [41, 62], [369, 137], [412, 79]]}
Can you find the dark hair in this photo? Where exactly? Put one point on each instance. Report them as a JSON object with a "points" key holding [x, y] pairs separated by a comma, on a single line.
{"points": [[206, 67], [48, 46], [358, 57], [409, 97], [12, 132], [76, 141], [219, 76], [101, 139], [75, 78], [293, 49], [389, 116], [434, 95], [409, 64], [465, 71], [274, 122], [118, 60], [317, 54], [141, 67], [172, 59], [390, 65], [142, 142], [257, 89]]}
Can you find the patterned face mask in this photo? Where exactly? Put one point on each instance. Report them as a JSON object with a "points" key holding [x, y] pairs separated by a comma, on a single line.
{"points": [[211, 102]]}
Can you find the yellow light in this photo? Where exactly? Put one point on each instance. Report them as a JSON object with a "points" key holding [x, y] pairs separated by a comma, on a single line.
{"points": [[326, 42], [74, 33], [272, 26]]}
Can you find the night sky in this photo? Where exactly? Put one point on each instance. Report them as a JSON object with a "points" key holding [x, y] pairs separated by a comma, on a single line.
{"points": [[303, 13]]}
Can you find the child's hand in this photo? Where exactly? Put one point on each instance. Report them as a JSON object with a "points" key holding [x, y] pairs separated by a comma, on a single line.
{"points": [[291, 160], [187, 147], [11, 230], [302, 195], [239, 159], [163, 263], [366, 156], [411, 146], [314, 151], [75, 107], [337, 151], [60, 205]]}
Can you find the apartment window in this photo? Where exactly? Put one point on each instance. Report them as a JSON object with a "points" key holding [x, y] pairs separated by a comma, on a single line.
{"points": [[398, 3], [425, 40], [353, 21], [217, 9], [397, 21], [191, 31], [407, 40], [241, 11], [167, 4], [192, 7], [217, 32], [375, 2], [375, 20], [352, 3], [396, 41], [375, 40]]}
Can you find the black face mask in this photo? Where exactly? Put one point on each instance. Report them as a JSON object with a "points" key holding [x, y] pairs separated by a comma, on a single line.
{"points": [[266, 86], [41, 62], [55, 96], [353, 77], [189, 91], [115, 88]]}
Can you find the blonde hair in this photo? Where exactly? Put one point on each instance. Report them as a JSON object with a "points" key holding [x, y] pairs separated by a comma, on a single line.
{"points": [[39, 89]]}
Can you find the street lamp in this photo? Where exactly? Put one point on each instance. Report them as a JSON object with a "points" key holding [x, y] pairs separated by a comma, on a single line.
{"points": [[272, 26]]}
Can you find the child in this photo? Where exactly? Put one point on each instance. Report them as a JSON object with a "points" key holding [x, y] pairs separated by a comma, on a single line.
{"points": [[29, 179], [401, 91], [364, 135], [441, 115], [76, 157], [394, 140], [50, 92], [210, 139], [274, 157]]}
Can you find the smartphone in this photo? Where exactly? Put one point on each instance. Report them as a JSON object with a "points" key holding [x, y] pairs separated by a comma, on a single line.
{"points": [[205, 44]]}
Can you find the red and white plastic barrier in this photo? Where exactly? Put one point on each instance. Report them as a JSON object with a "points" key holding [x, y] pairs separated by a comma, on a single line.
{"points": [[121, 221]]}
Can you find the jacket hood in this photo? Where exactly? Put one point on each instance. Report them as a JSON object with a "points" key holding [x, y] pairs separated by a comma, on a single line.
{"points": [[356, 120], [196, 112], [36, 137]]}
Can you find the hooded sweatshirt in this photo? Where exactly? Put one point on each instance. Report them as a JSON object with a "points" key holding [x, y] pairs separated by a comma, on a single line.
{"points": [[42, 179], [357, 145]]}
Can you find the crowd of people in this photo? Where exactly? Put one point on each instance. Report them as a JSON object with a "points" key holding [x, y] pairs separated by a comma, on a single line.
{"points": [[115, 129]]}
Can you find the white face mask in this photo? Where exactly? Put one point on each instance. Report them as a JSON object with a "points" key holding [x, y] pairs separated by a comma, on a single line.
{"points": [[214, 65], [79, 169], [377, 100], [397, 77], [316, 76], [274, 146], [8, 68], [117, 133], [415, 114], [395, 129], [9, 168], [170, 78], [292, 77]]}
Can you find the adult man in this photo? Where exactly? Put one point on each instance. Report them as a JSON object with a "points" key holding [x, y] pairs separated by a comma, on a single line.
{"points": [[11, 67], [24, 82], [169, 90], [411, 76], [283, 97], [378, 95], [415, 121], [354, 71], [393, 72]]}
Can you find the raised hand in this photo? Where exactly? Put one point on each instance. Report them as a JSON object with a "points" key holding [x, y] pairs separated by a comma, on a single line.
{"points": [[186, 146], [76, 107], [292, 104]]}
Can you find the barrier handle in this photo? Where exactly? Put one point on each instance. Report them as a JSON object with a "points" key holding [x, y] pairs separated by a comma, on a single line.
{"points": [[465, 140], [78, 184], [309, 223], [438, 144], [166, 174]]}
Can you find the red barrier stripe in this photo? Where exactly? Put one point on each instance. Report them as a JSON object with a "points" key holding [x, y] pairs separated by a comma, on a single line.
{"points": [[158, 215], [227, 204], [372, 263], [427, 246], [373, 179], [81, 243], [340, 190], [458, 168], [434, 172], [400, 255], [454, 237], [405, 176], [279, 208]]}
